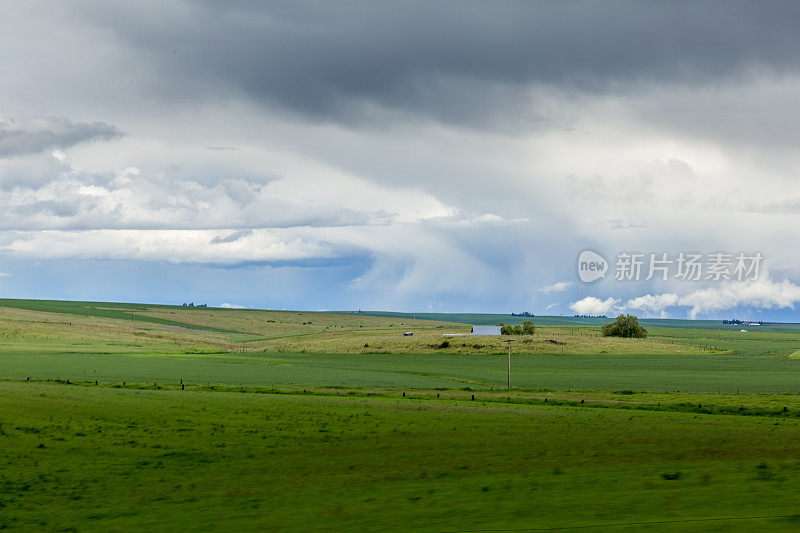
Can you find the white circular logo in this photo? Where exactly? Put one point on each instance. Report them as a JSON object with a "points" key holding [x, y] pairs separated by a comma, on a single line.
{"points": [[591, 266]]}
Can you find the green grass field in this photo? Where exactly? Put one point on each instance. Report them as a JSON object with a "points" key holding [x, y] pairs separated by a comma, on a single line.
{"points": [[77, 458], [720, 373], [136, 416], [85, 327], [142, 344]]}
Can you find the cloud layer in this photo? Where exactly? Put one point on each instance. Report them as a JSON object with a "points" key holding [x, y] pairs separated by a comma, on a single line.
{"points": [[726, 296], [401, 154], [31, 135], [473, 64]]}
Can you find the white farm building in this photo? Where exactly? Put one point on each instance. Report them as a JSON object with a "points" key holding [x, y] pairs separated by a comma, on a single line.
{"points": [[485, 330]]}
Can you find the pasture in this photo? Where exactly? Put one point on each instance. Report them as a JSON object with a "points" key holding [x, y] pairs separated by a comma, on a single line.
{"points": [[136, 343], [134, 416], [719, 373], [86, 327], [76, 458]]}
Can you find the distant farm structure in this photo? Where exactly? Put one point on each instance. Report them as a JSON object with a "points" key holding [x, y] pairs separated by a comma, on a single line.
{"points": [[486, 330]]}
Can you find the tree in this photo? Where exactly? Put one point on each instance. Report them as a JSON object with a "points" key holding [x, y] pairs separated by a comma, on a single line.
{"points": [[625, 326], [527, 328]]}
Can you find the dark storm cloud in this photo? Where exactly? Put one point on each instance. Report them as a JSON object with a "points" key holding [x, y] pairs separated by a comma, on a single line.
{"points": [[455, 61], [20, 137]]}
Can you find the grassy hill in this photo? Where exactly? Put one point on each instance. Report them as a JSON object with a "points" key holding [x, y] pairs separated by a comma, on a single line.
{"points": [[141, 343], [36, 326], [487, 319], [138, 416]]}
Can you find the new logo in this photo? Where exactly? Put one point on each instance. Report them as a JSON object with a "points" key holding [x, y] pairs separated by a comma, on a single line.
{"points": [[591, 266]]}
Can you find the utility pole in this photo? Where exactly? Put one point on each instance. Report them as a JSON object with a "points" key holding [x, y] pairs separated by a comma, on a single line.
{"points": [[508, 343]]}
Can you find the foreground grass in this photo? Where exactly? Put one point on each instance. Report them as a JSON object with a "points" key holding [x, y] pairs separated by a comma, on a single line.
{"points": [[717, 373], [75, 458]]}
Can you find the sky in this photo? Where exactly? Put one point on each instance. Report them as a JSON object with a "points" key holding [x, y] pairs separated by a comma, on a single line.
{"points": [[405, 156]]}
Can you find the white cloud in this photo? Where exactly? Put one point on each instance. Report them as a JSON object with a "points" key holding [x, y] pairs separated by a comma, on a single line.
{"points": [[316, 195], [556, 287], [404, 260], [654, 303], [177, 246], [4, 275], [764, 294], [760, 294], [595, 306], [227, 305]]}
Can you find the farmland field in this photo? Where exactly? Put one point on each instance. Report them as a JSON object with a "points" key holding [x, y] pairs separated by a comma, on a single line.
{"points": [[99, 458], [721, 373], [137, 343], [156, 417]]}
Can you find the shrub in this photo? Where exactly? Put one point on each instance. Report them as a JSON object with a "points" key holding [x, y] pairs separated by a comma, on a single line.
{"points": [[625, 326], [527, 328]]}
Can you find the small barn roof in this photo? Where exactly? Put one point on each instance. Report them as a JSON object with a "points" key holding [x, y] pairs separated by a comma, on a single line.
{"points": [[485, 330]]}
